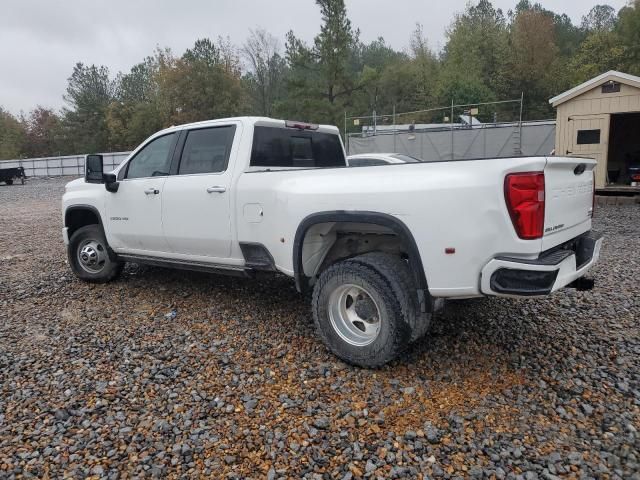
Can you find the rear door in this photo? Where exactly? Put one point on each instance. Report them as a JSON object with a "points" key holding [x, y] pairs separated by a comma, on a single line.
{"points": [[196, 207], [568, 199], [589, 138]]}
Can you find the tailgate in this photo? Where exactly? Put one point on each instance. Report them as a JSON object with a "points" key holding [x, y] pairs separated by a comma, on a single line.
{"points": [[568, 199]]}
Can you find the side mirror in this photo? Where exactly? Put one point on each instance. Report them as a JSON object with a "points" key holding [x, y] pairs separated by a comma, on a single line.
{"points": [[93, 169], [110, 182]]}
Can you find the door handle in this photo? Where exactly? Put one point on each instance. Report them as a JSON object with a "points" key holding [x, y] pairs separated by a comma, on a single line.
{"points": [[216, 189], [152, 191]]}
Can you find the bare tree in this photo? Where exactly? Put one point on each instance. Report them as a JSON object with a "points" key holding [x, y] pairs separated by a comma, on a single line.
{"points": [[266, 68]]}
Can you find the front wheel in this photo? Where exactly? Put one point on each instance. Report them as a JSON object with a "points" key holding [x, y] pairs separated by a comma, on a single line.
{"points": [[9, 181], [89, 256], [358, 316]]}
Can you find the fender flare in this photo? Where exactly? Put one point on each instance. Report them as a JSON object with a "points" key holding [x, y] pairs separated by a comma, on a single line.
{"points": [[375, 218], [91, 208]]}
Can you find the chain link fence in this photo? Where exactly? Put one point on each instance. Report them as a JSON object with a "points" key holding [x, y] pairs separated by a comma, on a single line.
{"points": [[486, 141], [69, 165], [454, 132]]}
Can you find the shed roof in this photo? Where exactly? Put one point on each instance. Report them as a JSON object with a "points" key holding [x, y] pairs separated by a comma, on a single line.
{"points": [[611, 75]]}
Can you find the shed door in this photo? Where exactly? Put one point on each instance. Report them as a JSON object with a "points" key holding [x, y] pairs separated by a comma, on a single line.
{"points": [[590, 138]]}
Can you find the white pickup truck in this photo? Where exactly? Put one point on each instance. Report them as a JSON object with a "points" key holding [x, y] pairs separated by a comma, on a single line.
{"points": [[377, 245]]}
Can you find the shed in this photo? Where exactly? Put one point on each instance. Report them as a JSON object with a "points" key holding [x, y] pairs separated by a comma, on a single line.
{"points": [[601, 119]]}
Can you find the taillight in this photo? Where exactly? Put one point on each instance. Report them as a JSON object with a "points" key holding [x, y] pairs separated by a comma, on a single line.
{"points": [[524, 193]]}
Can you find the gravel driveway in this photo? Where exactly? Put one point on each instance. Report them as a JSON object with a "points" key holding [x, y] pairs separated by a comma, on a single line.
{"points": [[97, 380]]}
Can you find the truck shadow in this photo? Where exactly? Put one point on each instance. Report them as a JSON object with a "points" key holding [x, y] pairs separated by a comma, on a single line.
{"points": [[494, 333]]}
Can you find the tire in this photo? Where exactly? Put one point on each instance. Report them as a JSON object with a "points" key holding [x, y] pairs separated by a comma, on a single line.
{"points": [[368, 331], [401, 281], [9, 181], [89, 256]]}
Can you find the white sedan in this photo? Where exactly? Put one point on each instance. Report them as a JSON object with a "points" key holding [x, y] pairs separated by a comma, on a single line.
{"points": [[372, 159]]}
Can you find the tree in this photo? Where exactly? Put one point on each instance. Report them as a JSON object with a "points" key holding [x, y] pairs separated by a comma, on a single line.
{"points": [[599, 18], [628, 31], [135, 113], [568, 36], [138, 85], [204, 83], [321, 81], [532, 55], [425, 67], [379, 69], [89, 93], [601, 51], [265, 79], [12, 136], [43, 133], [476, 48]]}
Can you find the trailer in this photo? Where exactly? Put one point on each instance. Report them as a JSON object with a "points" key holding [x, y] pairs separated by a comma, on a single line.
{"points": [[8, 175]]}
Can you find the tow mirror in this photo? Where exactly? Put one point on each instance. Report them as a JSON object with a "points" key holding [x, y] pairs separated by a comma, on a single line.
{"points": [[93, 169]]}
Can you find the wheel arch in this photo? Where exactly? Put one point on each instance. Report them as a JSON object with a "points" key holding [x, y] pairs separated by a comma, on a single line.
{"points": [[367, 217], [78, 216]]}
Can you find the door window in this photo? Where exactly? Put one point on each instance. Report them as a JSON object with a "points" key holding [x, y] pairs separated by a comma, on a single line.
{"points": [[207, 150], [153, 160]]}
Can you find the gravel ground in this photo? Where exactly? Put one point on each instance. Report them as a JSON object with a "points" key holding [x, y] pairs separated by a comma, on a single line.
{"points": [[99, 381]]}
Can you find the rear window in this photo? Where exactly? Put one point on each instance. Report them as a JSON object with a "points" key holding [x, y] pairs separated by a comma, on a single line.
{"points": [[283, 147]]}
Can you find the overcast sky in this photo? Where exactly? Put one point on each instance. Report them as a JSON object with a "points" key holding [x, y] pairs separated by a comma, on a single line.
{"points": [[40, 41]]}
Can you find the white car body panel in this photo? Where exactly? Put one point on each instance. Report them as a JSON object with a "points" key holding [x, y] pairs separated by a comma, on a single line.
{"points": [[458, 205]]}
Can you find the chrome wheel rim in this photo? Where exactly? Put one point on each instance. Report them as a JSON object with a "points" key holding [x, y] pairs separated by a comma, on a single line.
{"points": [[354, 315], [92, 256]]}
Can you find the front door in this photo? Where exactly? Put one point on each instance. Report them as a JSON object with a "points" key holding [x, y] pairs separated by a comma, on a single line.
{"points": [[134, 212], [196, 202], [590, 138]]}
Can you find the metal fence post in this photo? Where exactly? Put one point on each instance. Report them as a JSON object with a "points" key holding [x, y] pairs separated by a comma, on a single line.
{"points": [[520, 122], [484, 143], [345, 129], [451, 121], [395, 129]]}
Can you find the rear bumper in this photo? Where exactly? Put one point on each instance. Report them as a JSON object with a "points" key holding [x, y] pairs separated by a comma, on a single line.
{"points": [[507, 276]]}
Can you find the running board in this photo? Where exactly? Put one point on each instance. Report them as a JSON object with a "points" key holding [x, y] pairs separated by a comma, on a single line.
{"points": [[187, 265]]}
